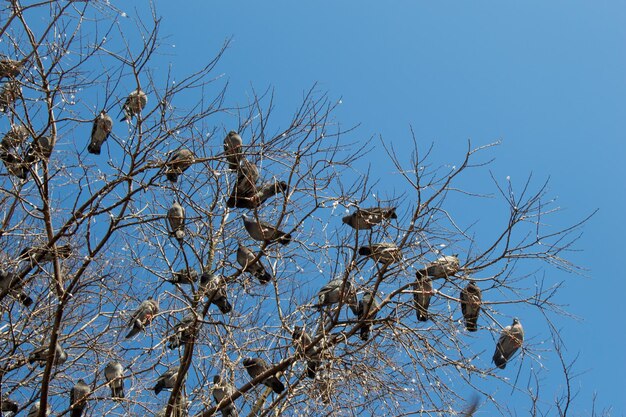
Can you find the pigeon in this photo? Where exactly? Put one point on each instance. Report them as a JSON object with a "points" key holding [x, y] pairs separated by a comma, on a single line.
{"points": [[7, 405], [40, 149], [15, 137], [41, 355], [441, 268], [214, 287], [384, 253], [10, 91], [42, 254], [364, 219], [223, 389], [470, 305], [78, 393], [331, 294], [135, 102], [183, 332], [255, 199], [264, 232], [184, 276], [245, 258], [176, 219], [178, 163], [301, 340], [422, 295], [257, 366], [10, 283], [142, 316], [102, 128], [510, 340], [34, 410], [233, 149], [14, 164], [114, 374], [368, 303], [10, 68], [166, 380]]}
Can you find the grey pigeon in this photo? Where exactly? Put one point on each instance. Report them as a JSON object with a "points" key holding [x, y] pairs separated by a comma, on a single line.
{"points": [[223, 389], [10, 68], [384, 253], [102, 128], [114, 374], [368, 303], [471, 297], [183, 332], [41, 355], [422, 295], [135, 102], [332, 293], [184, 276], [214, 287], [10, 283], [14, 164], [259, 196], [176, 219], [35, 408], [511, 339], [40, 149], [245, 258], [142, 316], [178, 163], [369, 217], [166, 380], [301, 340], [10, 91], [41, 255], [443, 267], [257, 366], [233, 149], [264, 232], [15, 137], [7, 405], [78, 395]]}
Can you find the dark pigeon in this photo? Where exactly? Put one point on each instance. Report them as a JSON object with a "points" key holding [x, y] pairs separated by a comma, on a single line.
{"points": [[10, 68], [422, 295], [257, 366], [256, 199], [301, 340], [10, 283], [100, 131], [142, 317], [384, 253], [14, 164], [135, 102], [332, 293], [43, 254], [41, 355], [223, 389], [10, 91], [471, 297], [79, 392], [15, 137], [245, 258], [179, 162], [264, 232], [166, 380], [233, 149], [7, 405], [183, 332], [184, 277], [369, 217], [176, 220], [214, 287], [368, 303], [443, 267], [114, 374], [511, 339]]}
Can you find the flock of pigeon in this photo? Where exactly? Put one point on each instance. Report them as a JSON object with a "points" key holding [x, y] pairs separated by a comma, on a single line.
{"points": [[246, 193]]}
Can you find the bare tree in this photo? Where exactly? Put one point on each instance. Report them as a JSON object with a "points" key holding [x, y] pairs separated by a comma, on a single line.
{"points": [[125, 250]]}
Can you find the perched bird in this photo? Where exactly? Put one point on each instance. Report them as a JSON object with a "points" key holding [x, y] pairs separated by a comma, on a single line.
{"points": [[369, 217], [247, 176], [233, 149], [257, 366], [264, 232], [332, 293], [223, 389], [384, 253], [12, 284], [7, 405], [368, 303], [78, 393], [301, 340], [10, 68], [441, 268], [422, 295], [142, 316], [135, 102], [102, 128], [255, 199], [14, 164], [15, 137], [40, 149], [470, 305], [166, 380], [41, 355], [40, 255], [178, 163], [245, 258], [176, 219], [10, 91], [510, 340], [184, 276], [214, 287], [114, 374], [183, 332], [35, 408]]}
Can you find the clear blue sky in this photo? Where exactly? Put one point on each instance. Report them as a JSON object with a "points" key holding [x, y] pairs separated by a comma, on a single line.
{"points": [[546, 78]]}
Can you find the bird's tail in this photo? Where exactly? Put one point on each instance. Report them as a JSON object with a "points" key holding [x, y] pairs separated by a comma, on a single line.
{"points": [[284, 239], [276, 385], [158, 387], [172, 176], [117, 392], [25, 299], [94, 149], [422, 316], [365, 332], [223, 304], [263, 276], [135, 330], [471, 325], [311, 369], [77, 411], [365, 251]]}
